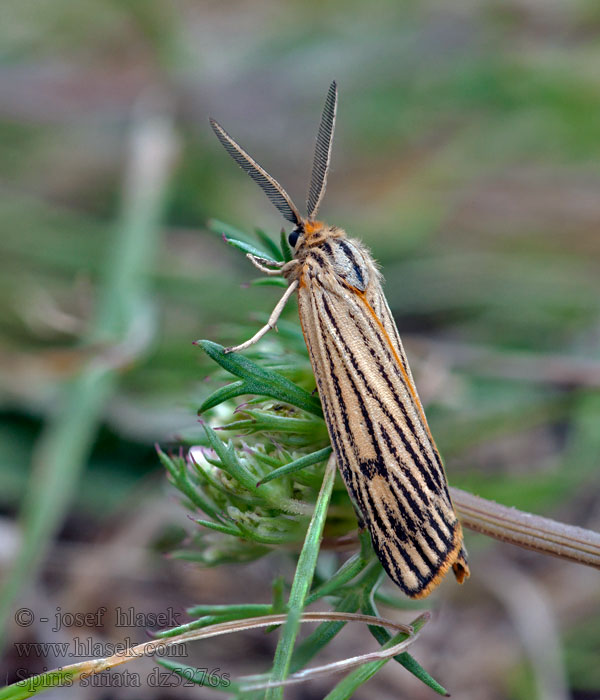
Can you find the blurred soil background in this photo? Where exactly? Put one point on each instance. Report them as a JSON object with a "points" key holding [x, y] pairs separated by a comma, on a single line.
{"points": [[467, 157]]}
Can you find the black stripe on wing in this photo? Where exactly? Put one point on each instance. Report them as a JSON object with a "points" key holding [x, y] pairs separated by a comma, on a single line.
{"points": [[431, 471], [411, 535], [397, 524]]}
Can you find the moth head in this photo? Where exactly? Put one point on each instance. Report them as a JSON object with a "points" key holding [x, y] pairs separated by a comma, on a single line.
{"points": [[303, 228], [306, 231]]}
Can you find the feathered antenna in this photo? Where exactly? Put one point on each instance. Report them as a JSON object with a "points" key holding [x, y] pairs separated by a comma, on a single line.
{"points": [[322, 159], [274, 191]]}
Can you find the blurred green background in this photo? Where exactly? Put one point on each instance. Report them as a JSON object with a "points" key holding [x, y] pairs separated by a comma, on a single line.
{"points": [[467, 156]]}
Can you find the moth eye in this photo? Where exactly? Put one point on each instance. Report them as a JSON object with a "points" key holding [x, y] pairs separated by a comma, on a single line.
{"points": [[293, 238]]}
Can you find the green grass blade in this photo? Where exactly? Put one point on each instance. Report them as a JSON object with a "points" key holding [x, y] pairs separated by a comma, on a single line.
{"points": [[404, 659], [302, 582], [244, 610], [346, 688], [66, 443], [38, 684]]}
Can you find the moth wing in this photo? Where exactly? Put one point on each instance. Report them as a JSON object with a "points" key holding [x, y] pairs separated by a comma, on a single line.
{"points": [[377, 427], [378, 303]]}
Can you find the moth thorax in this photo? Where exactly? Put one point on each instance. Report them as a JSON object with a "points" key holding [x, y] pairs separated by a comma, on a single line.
{"points": [[317, 232], [312, 229]]}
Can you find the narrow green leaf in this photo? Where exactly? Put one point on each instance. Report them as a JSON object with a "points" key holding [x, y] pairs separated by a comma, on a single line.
{"points": [[227, 230], [285, 246], [349, 570], [267, 422], [225, 529], [248, 248], [225, 393], [297, 465], [259, 380], [235, 612], [269, 282], [268, 461], [197, 498], [278, 587], [170, 464], [399, 603], [229, 461], [269, 244], [250, 552], [243, 610], [38, 684], [410, 664], [279, 603], [239, 497], [277, 539]]}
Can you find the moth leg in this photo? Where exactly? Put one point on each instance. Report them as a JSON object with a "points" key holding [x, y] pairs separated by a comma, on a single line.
{"points": [[270, 323], [289, 267], [260, 264]]}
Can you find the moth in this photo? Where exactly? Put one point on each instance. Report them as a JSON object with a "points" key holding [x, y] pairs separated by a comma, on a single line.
{"points": [[379, 433]]}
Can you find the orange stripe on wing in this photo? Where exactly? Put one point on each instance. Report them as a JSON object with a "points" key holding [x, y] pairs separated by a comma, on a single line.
{"points": [[407, 380], [453, 559]]}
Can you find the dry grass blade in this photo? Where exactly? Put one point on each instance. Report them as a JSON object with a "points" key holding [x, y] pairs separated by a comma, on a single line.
{"points": [[352, 661], [79, 671]]}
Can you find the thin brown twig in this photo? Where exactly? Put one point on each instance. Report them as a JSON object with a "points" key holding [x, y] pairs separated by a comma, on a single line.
{"points": [[527, 530], [514, 526]]}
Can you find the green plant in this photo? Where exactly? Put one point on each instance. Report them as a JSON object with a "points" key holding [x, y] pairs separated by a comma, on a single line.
{"points": [[272, 483]]}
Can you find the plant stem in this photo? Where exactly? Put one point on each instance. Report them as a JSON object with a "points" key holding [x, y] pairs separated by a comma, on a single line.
{"points": [[527, 530]]}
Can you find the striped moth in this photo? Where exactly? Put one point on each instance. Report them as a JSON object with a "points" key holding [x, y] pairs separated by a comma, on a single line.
{"points": [[378, 430]]}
